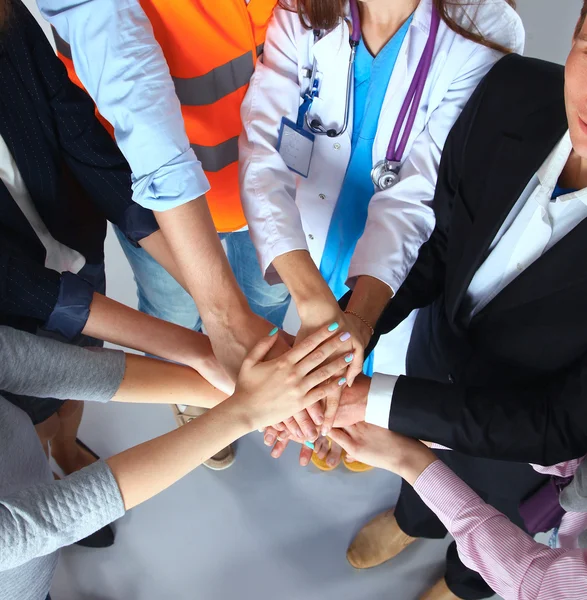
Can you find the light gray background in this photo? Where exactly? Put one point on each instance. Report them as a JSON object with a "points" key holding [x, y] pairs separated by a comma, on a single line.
{"points": [[261, 528]]}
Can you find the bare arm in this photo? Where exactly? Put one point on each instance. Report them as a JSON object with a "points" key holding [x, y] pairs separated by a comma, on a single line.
{"points": [[116, 323]]}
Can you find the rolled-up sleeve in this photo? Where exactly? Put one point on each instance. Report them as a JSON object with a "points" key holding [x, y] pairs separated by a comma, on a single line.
{"points": [[123, 69], [72, 309]]}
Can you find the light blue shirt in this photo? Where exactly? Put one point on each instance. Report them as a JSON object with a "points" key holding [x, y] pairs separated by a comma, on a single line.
{"points": [[372, 75], [123, 69]]}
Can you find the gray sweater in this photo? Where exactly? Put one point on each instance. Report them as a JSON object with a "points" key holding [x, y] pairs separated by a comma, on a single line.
{"points": [[39, 515]]}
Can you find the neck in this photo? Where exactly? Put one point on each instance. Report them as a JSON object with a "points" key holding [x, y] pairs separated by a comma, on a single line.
{"points": [[574, 175], [381, 19]]}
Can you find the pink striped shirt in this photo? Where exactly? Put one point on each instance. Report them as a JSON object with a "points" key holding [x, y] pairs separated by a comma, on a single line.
{"points": [[512, 563]]}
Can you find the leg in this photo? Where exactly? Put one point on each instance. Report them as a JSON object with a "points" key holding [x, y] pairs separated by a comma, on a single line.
{"points": [[68, 454], [268, 301], [158, 293], [47, 430]]}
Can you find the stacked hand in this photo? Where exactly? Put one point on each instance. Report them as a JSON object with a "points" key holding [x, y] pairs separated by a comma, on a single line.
{"points": [[384, 449], [269, 389]]}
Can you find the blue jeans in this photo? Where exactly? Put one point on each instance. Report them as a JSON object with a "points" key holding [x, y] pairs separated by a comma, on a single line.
{"points": [[161, 296]]}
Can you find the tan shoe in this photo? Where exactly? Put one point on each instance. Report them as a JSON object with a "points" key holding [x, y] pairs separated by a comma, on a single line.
{"points": [[439, 592], [380, 540], [220, 461]]}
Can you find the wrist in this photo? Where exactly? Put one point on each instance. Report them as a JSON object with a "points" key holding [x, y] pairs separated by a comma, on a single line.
{"points": [[233, 411], [415, 463]]}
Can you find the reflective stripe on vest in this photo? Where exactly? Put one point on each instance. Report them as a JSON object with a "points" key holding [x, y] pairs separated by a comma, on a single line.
{"points": [[211, 60]]}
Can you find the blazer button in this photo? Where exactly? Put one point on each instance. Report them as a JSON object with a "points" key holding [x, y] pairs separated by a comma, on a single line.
{"points": [[451, 379], [322, 196], [310, 236], [336, 146]]}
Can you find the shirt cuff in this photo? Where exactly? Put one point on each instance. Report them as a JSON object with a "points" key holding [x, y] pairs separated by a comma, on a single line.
{"points": [[444, 492], [137, 223], [70, 315], [178, 182], [379, 400]]}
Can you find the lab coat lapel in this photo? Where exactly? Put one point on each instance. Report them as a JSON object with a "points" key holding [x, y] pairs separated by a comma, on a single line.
{"points": [[332, 54]]}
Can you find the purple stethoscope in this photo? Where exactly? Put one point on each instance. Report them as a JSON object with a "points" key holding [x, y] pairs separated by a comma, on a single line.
{"points": [[385, 173]]}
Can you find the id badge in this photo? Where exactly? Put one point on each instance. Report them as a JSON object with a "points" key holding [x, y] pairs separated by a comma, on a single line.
{"points": [[295, 145]]}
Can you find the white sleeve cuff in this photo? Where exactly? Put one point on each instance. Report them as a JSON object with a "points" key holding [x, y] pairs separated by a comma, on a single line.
{"points": [[379, 400]]}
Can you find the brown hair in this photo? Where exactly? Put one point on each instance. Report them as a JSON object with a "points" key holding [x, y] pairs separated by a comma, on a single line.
{"points": [[326, 14], [581, 19], [4, 12]]}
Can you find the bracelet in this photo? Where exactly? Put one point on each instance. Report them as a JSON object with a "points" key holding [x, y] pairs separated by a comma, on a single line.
{"points": [[362, 319]]}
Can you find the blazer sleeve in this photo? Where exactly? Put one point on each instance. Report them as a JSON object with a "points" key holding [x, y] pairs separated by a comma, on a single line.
{"points": [[425, 281], [82, 141], [544, 422], [60, 303]]}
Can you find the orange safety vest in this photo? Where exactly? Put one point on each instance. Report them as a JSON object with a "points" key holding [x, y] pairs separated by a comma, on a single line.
{"points": [[211, 47]]}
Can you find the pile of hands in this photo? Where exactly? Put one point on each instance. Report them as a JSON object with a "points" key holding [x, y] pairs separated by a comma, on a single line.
{"points": [[320, 372]]}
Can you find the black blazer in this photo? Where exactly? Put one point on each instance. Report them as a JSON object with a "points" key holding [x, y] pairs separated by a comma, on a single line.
{"points": [[73, 170], [513, 383]]}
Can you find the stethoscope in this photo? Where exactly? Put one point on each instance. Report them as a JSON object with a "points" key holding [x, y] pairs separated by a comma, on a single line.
{"points": [[385, 174]]}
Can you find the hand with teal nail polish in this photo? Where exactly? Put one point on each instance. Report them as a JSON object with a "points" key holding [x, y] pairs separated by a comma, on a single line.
{"points": [[269, 391]]}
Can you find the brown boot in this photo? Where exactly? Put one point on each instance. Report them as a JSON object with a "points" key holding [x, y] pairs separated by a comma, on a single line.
{"points": [[218, 462], [439, 592], [380, 540]]}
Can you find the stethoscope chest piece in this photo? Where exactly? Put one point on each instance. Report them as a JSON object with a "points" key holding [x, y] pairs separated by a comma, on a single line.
{"points": [[385, 174]]}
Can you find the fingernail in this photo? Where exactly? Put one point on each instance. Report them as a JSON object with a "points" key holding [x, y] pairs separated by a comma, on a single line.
{"points": [[304, 461], [299, 433], [349, 358], [309, 444], [319, 419], [269, 439], [273, 331], [333, 327], [345, 336], [342, 380], [274, 453], [324, 431], [283, 435], [331, 461]]}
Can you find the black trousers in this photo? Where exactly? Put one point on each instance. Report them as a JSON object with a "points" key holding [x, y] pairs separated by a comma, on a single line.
{"points": [[435, 354]]}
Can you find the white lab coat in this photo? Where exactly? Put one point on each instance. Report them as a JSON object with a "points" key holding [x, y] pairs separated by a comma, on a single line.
{"points": [[286, 212]]}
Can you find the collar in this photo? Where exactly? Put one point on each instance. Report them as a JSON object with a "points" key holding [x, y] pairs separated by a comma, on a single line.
{"points": [[550, 171]]}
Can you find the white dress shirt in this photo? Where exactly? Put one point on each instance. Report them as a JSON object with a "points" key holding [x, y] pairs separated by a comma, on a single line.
{"points": [[59, 257], [534, 225]]}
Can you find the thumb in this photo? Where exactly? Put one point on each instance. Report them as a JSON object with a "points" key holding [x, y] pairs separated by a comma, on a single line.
{"points": [[261, 349], [342, 438]]}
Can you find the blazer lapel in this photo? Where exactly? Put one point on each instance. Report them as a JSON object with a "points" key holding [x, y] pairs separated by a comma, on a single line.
{"points": [[556, 270], [516, 160]]}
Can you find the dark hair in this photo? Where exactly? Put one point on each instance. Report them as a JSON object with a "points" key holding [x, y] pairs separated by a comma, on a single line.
{"points": [[4, 12], [581, 19], [326, 14]]}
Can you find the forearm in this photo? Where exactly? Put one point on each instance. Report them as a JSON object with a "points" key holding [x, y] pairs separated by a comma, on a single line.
{"points": [[304, 281], [511, 562], [116, 323], [368, 300], [502, 422], [145, 470], [199, 256], [156, 245], [147, 380]]}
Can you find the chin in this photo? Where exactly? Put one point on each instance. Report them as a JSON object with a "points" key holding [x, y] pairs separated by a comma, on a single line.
{"points": [[579, 140]]}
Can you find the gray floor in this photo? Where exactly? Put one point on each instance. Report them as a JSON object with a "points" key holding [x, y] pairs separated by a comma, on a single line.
{"points": [[263, 528]]}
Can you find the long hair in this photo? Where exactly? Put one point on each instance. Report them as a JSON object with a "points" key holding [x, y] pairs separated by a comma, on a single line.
{"points": [[326, 14], [4, 13]]}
